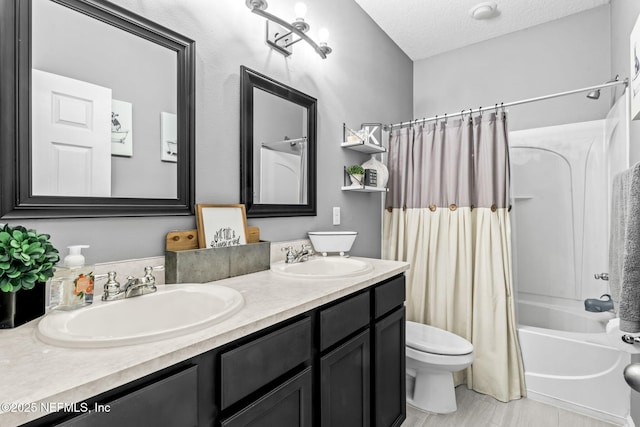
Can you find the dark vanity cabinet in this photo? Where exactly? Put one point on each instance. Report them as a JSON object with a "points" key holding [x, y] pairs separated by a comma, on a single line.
{"points": [[342, 364], [168, 402], [389, 390], [267, 381], [345, 362]]}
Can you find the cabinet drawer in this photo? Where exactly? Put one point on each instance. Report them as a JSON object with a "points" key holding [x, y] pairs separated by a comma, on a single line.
{"points": [[287, 405], [343, 319], [172, 401], [389, 295], [255, 364]]}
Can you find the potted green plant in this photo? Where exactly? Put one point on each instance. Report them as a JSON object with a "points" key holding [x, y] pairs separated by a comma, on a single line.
{"points": [[356, 173], [26, 263]]}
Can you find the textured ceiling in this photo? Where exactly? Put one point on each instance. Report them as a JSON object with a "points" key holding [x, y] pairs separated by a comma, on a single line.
{"points": [[424, 28]]}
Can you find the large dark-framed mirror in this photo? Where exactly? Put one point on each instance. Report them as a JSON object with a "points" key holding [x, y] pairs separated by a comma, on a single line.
{"points": [[277, 148], [161, 132]]}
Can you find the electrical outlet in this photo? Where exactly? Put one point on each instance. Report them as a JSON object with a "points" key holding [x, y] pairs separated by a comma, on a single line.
{"points": [[336, 215]]}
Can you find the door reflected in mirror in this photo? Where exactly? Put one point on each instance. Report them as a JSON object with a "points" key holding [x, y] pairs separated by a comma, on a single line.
{"points": [[278, 148]]}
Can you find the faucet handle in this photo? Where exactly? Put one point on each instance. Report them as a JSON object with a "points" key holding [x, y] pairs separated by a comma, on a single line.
{"points": [[111, 287], [149, 279], [290, 255]]}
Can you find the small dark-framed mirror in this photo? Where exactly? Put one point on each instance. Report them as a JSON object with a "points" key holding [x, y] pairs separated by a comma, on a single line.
{"points": [[172, 124], [277, 148]]}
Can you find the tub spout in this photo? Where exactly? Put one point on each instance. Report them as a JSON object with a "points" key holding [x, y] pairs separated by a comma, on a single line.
{"points": [[599, 305]]}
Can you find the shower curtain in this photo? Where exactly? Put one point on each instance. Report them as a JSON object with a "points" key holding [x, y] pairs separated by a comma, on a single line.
{"points": [[447, 213]]}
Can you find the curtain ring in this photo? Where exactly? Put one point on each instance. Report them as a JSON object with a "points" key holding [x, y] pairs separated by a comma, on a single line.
{"points": [[480, 111], [445, 119], [496, 107]]}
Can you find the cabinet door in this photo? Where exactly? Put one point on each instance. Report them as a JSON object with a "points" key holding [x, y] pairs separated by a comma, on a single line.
{"points": [[389, 370], [288, 405], [172, 401], [345, 384]]}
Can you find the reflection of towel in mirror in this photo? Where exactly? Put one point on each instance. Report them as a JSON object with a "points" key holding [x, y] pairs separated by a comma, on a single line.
{"points": [[629, 308]]}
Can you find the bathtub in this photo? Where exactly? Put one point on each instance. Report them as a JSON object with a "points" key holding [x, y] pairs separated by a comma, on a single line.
{"points": [[570, 362]]}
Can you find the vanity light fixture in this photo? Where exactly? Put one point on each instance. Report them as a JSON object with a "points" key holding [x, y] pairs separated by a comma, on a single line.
{"points": [[280, 33]]}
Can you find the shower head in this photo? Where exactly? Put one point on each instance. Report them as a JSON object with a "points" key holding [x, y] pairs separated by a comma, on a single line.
{"points": [[595, 94]]}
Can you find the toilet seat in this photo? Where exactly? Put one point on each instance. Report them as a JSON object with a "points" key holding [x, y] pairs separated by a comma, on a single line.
{"points": [[434, 340]]}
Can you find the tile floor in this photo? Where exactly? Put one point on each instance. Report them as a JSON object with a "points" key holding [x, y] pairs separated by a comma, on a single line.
{"points": [[479, 410]]}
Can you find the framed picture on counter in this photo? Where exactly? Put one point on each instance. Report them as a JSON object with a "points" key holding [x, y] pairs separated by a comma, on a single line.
{"points": [[221, 226]]}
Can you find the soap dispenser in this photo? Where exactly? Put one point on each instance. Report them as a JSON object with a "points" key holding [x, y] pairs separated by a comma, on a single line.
{"points": [[72, 283]]}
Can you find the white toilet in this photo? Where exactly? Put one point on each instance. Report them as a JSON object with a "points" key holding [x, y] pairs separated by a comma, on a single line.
{"points": [[433, 355]]}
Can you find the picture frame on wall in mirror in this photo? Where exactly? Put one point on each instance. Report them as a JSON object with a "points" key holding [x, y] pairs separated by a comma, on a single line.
{"points": [[169, 137], [634, 55], [121, 128], [221, 226]]}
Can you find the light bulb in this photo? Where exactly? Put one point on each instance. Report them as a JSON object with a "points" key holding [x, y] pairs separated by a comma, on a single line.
{"points": [[323, 35], [300, 10]]}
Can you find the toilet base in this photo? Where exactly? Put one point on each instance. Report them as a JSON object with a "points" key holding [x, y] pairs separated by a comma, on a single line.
{"points": [[432, 392]]}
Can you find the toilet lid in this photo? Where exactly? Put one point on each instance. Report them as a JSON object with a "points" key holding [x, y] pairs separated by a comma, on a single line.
{"points": [[434, 340]]}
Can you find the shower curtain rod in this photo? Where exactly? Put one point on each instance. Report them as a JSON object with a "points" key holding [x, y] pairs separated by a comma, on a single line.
{"points": [[290, 141], [504, 105]]}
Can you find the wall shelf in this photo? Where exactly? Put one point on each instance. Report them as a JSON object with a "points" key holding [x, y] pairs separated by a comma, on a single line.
{"points": [[364, 189], [363, 147], [361, 141]]}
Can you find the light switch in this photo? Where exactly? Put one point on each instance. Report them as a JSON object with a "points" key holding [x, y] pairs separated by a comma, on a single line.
{"points": [[336, 215]]}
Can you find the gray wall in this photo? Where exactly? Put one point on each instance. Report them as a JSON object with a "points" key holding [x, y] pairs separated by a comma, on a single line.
{"points": [[624, 14], [565, 54], [367, 78]]}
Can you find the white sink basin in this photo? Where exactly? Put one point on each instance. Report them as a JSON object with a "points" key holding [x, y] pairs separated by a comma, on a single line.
{"points": [[323, 268], [171, 311]]}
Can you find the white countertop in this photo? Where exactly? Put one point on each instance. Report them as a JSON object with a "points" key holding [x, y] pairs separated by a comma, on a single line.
{"points": [[34, 372]]}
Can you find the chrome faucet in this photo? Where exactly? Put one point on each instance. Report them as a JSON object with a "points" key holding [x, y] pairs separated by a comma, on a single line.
{"points": [[135, 286], [293, 256]]}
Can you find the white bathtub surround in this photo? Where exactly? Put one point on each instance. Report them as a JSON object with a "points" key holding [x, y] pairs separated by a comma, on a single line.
{"points": [[575, 374], [624, 248], [571, 356], [449, 219], [561, 178]]}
